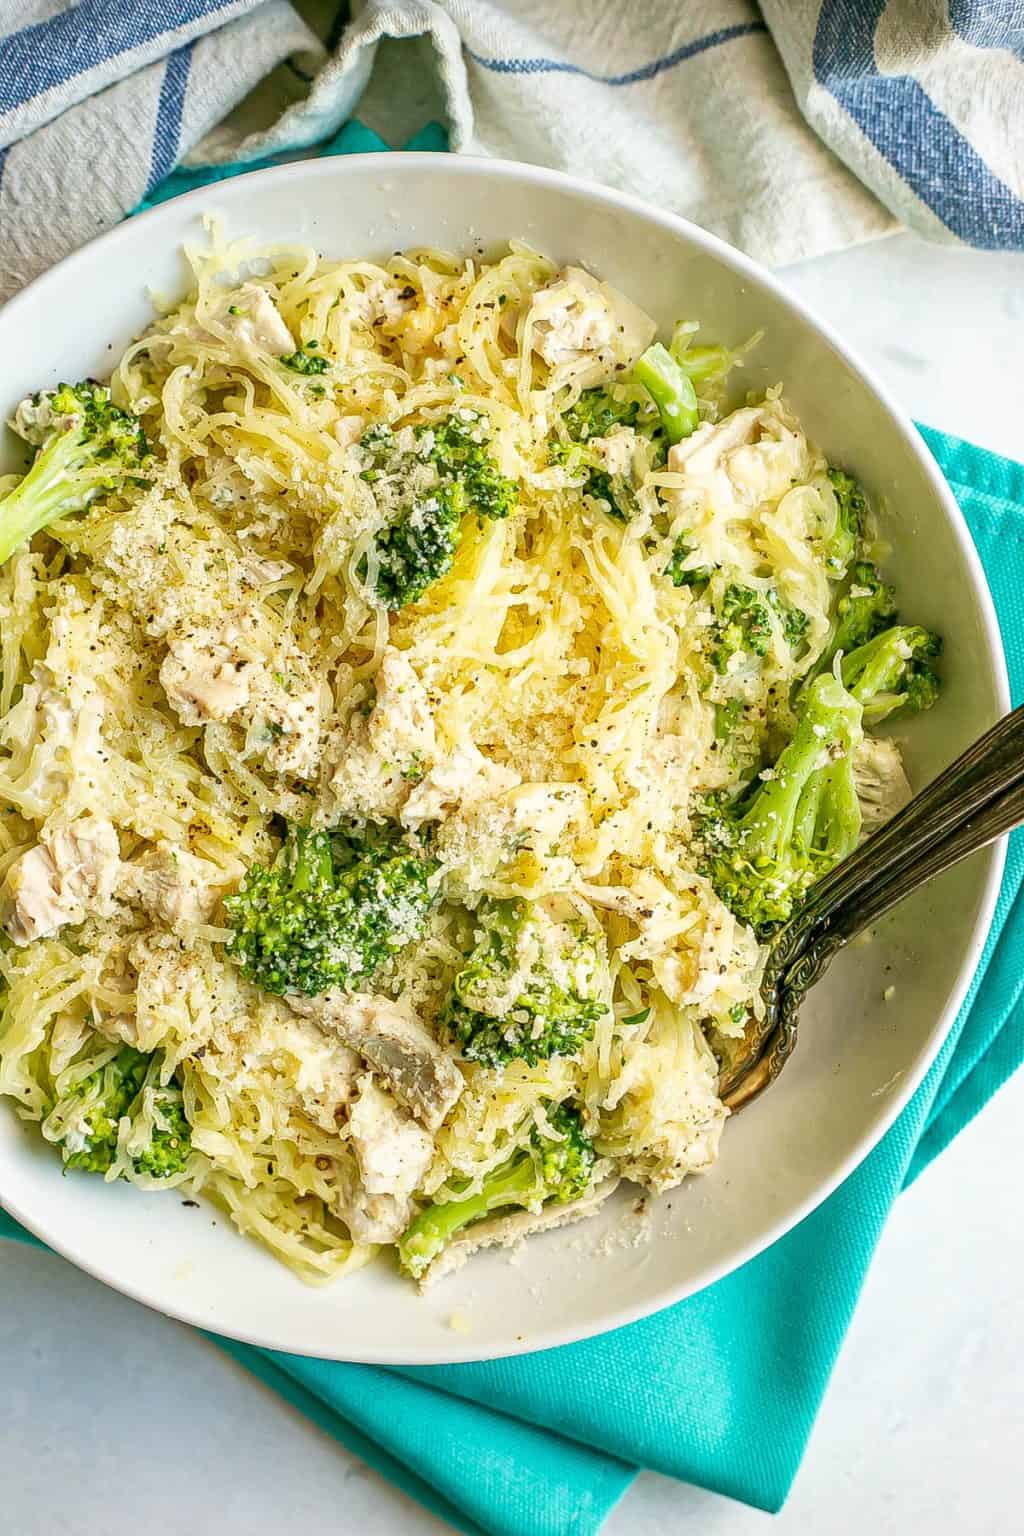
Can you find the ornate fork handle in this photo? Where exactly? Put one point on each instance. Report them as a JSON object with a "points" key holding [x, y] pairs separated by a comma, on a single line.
{"points": [[991, 766], [978, 799]]}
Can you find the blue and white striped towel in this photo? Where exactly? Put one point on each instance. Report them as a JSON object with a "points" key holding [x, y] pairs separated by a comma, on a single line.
{"points": [[791, 128]]}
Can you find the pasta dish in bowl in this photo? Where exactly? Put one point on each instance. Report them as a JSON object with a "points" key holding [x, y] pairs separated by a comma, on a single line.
{"points": [[423, 693]]}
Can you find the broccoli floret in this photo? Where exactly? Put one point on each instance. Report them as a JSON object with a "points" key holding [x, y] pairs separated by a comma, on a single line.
{"points": [[110, 1093], [420, 547], [862, 610], [85, 447], [458, 447], [744, 624], [506, 1003], [170, 1143], [308, 361], [328, 912], [764, 851], [596, 412], [594, 415], [794, 621], [680, 574], [884, 664], [891, 671], [671, 389], [867, 607], [851, 511], [614, 492], [377, 444], [547, 1170], [420, 543]]}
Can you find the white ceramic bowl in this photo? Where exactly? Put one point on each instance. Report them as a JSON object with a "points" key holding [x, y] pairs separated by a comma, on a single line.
{"points": [[859, 1058]]}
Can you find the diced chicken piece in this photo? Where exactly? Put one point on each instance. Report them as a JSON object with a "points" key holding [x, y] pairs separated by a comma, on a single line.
{"points": [[393, 1041], [587, 328], [215, 674], [32, 901], [401, 724], [349, 429], [702, 452], [380, 756], [464, 778], [287, 716], [755, 455], [880, 780], [510, 1231], [203, 685], [69, 1034], [70, 872], [392, 1152], [249, 316], [374, 1218], [173, 885], [617, 450]]}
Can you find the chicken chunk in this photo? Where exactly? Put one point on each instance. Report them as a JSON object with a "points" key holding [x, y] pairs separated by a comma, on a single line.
{"points": [[72, 871], [249, 316], [510, 1231], [377, 756], [702, 452], [214, 674], [175, 886], [374, 1219], [754, 455], [202, 683], [349, 429], [880, 780], [587, 330], [392, 1152], [392, 1040], [464, 778], [617, 451]]}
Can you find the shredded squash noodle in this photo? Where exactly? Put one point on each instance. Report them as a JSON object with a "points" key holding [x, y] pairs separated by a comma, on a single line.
{"points": [[385, 566]]}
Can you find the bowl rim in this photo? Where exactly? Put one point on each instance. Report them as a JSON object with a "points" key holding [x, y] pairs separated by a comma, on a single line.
{"points": [[399, 162]]}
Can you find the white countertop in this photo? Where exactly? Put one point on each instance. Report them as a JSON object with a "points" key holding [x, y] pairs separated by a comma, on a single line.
{"points": [[118, 1421]]}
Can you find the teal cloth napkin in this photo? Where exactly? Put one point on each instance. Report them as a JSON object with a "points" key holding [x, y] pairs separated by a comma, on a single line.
{"points": [[720, 1390]]}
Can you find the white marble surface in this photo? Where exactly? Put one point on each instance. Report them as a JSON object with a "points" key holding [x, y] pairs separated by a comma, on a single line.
{"points": [[116, 1420]]}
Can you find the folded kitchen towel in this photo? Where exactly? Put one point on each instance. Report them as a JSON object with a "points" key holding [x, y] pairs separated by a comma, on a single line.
{"points": [[720, 1390], [790, 128]]}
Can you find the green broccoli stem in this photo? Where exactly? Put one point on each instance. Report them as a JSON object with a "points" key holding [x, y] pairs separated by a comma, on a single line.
{"points": [[312, 863], [889, 670], [514, 1183], [671, 389], [828, 818], [789, 807], [50, 487]]}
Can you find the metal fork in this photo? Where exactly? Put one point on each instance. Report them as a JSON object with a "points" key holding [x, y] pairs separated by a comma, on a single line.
{"points": [[976, 800]]}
